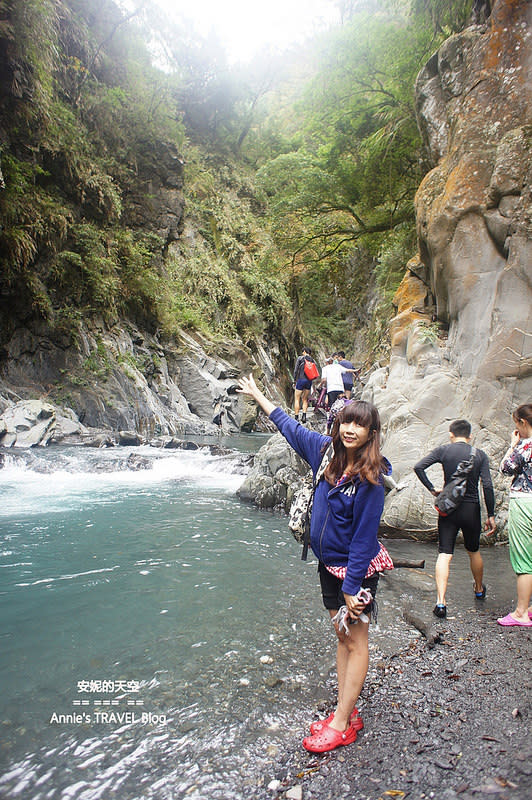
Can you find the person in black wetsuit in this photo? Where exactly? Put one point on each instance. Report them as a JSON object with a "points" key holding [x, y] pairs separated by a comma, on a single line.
{"points": [[467, 516]]}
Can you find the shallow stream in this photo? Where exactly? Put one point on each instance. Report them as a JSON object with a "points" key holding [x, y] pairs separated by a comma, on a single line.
{"points": [[161, 639]]}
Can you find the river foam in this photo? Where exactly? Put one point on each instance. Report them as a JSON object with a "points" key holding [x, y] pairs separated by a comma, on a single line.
{"points": [[98, 477]]}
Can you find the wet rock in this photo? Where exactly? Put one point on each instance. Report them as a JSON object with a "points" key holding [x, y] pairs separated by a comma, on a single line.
{"points": [[27, 424], [129, 439], [275, 475], [180, 444], [102, 439], [136, 462], [188, 446], [217, 450]]}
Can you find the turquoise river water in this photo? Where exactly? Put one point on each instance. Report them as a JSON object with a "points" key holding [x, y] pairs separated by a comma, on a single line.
{"points": [[159, 638]]}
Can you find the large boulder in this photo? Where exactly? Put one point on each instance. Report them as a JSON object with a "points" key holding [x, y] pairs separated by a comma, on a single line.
{"points": [[37, 423], [275, 476]]}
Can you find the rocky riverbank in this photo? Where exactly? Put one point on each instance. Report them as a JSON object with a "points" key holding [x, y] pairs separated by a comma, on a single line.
{"points": [[449, 721]]}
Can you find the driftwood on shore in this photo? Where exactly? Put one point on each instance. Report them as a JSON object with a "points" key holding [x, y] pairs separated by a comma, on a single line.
{"points": [[405, 562], [423, 625]]}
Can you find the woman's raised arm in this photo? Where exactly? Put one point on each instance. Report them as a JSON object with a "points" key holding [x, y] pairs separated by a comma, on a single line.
{"points": [[248, 387]]}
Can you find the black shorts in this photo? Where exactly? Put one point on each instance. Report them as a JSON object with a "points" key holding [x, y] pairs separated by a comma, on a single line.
{"points": [[333, 396], [331, 589], [467, 519]]}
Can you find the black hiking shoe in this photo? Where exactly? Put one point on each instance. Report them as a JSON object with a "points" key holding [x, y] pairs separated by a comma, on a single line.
{"points": [[440, 611]]}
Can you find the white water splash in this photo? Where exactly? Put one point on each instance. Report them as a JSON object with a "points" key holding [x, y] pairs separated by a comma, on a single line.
{"points": [[82, 479]]}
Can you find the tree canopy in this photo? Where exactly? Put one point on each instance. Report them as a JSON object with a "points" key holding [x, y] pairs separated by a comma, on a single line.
{"points": [[299, 171]]}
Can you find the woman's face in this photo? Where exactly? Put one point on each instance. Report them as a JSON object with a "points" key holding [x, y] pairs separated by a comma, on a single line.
{"points": [[353, 436]]}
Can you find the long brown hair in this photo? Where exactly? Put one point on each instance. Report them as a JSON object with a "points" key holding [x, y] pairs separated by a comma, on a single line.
{"points": [[369, 462]]}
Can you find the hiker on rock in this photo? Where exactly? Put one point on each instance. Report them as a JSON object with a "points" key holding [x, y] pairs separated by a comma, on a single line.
{"points": [[462, 512], [303, 382], [332, 377], [344, 521], [350, 373]]}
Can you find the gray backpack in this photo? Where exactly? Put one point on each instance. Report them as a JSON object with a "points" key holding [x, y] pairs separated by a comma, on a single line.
{"points": [[453, 492], [301, 508]]}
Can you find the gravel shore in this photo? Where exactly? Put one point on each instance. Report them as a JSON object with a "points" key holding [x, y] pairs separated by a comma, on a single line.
{"points": [[446, 721]]}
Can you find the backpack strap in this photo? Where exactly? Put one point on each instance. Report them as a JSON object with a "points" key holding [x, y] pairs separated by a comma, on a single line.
{"points": [[325, 461], [468, 465], [327, 456]]}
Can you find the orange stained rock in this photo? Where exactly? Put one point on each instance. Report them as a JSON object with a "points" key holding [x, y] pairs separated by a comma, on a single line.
{"points": [[400, 327], [411, 293], [409, 299]]}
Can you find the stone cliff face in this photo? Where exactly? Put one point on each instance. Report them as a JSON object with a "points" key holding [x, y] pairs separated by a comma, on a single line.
{"points": [[116, 375], [474, 208], [462, 337], [122, 378]]}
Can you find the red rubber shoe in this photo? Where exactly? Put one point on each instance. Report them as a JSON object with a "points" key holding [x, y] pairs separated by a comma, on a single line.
{"points": [[355, 720], [329, 739]]}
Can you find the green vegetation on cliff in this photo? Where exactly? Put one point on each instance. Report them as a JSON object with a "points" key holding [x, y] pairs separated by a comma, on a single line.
{"points": [[273, 202]]}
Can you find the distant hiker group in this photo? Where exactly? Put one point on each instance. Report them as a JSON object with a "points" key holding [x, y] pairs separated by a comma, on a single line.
{"points": [[336, 381]]}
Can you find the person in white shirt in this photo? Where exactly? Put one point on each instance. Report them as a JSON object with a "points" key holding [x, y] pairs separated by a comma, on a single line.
{"points": [[331, 377]]}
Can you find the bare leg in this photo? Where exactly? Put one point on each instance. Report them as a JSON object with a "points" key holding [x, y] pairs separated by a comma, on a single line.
{"points": [[443, 562], [352, 660], [297, 401], [524, 593], [477, 569], [304, 400]]}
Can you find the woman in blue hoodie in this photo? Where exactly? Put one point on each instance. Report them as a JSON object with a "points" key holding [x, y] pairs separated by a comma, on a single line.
{"points": [[346, 511]]}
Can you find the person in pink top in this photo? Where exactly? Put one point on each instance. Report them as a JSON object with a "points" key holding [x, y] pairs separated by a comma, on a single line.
{"points": [[517, 462]]}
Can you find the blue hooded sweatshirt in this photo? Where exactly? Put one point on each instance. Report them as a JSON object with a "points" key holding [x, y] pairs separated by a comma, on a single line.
{"points": [[345, 519]]}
